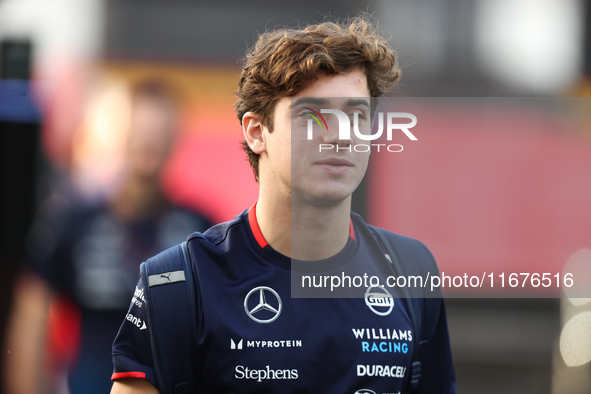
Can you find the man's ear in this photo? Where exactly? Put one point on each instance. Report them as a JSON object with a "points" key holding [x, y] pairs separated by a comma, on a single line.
{"points": [[252, 128]]}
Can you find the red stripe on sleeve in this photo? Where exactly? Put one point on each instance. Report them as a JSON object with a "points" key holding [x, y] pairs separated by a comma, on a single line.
{"points": [[121, 375]]}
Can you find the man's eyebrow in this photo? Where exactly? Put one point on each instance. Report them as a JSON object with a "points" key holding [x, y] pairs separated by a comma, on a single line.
{"points": [[308, 100], [357, 102]]}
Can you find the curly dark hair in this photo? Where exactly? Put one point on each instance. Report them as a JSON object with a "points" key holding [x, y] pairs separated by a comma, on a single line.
{"points": [[284, 61]]}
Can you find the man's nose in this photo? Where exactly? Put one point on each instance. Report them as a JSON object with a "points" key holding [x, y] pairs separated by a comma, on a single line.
{"points": [[332, 133]]}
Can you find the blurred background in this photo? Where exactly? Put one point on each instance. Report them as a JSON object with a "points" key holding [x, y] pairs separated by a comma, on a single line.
{"points": [[117, 134]]}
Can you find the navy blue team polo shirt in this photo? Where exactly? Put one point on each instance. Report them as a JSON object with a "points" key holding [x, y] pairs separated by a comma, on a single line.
{"points": [[253, 337]]}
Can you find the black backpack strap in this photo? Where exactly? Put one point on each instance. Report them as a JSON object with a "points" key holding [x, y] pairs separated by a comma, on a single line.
{"points": [[171, 313], [425, 310]]}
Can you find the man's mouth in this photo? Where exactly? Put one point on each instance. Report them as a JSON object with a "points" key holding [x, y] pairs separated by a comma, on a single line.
{"points": [[335, 165]]}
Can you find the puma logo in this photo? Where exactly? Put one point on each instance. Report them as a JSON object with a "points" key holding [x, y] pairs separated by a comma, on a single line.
{"points": [[166, 276]]}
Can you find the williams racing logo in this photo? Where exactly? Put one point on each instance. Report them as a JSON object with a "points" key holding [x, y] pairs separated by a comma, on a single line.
{"points": [[384, 340]]}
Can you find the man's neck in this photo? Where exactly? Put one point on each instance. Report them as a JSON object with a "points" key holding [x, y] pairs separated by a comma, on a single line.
{"points": [[304, 231]]}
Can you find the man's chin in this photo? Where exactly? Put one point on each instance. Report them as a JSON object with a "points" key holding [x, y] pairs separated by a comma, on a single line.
{"points": [[324, 198]]}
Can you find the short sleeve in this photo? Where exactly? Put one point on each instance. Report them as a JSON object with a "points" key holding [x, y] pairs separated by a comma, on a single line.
{"points": [[132, 354], [437, 368]]}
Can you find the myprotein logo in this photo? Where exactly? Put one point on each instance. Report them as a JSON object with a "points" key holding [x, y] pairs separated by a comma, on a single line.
{"points": [[282, 343], [233, 345], [392, 120]]}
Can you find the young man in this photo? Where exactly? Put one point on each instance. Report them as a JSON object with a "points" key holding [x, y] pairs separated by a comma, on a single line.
{"points": [[252, 336]]}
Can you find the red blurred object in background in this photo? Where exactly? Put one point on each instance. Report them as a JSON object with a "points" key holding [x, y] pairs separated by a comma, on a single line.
{"points": [[497, 188]]}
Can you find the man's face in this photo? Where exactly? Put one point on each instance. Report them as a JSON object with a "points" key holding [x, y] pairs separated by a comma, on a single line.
{"points": [[312, 175], [150, 136]]}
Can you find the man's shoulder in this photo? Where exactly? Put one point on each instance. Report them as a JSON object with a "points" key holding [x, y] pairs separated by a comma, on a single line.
{"points": [[395, 239], [409, 258], [220, 233]]}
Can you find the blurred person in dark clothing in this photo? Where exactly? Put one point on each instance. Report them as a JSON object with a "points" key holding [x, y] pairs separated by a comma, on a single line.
{"points": [[69, 306]]}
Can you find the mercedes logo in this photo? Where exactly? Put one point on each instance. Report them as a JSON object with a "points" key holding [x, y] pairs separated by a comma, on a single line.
{"points": [[266, 311]]}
